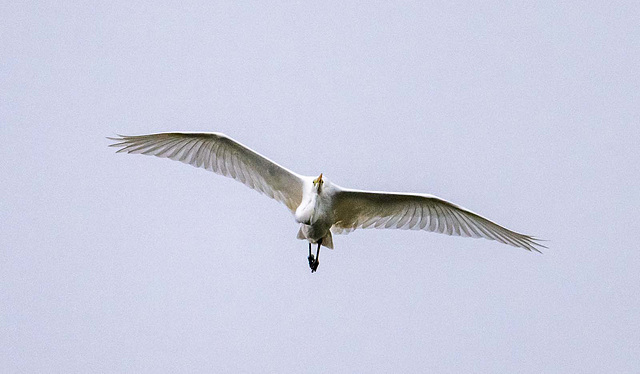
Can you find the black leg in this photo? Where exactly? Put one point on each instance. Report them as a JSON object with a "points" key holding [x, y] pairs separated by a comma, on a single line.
{"points": [[314, 264], [311, 258]]}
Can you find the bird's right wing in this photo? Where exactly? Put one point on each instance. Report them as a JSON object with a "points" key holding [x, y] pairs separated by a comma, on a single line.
{"points": [[355, 209], [218, 153]]}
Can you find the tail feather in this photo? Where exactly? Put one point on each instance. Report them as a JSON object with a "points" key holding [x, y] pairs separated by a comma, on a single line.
{"points": [[301, 235], [327, 241]]}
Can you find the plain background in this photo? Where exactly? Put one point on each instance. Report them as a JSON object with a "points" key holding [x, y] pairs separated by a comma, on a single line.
{"points": [[527, 113]]}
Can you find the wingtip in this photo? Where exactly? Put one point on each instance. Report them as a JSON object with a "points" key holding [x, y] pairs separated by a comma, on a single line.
{"points": [[117, 137], [535, 245], [120, 141]]}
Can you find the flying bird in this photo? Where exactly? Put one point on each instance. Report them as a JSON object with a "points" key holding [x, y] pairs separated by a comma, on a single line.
{"points": [[320, 206]]}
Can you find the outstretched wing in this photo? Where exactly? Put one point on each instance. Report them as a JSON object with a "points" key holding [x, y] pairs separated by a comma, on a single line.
{"points": [[218, 153], [355, 209]]}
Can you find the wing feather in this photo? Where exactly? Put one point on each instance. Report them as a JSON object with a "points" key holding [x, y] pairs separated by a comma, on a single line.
{"points": [[355, 209], [417, 216], [218, 153], [406, 217]]}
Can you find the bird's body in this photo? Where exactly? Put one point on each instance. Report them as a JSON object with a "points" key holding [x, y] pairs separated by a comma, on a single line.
{"points": [[321, 207], [315, 212]]}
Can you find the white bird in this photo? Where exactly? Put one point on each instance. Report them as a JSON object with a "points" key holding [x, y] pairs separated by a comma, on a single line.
{"points": [[321, 207]]}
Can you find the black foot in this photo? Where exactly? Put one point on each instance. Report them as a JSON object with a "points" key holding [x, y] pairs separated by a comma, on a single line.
{"points": [[313, 261], [314, 265]]}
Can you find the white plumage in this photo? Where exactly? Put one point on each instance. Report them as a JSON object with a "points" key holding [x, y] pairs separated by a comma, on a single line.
{"points": [[320, 206]]}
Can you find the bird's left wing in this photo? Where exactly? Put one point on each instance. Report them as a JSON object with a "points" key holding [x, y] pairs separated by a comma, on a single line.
{"points": [[218, 153], [355, 209]]}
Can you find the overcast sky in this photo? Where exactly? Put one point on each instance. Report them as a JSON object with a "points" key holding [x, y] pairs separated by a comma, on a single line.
{"points": [[526, 114]]}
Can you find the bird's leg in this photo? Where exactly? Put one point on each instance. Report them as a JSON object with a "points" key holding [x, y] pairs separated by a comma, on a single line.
{"points": [[314, 265], [311, 258]]}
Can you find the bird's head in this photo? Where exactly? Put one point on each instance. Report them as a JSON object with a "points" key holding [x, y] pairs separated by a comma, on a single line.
{"points": [[318, 182]]}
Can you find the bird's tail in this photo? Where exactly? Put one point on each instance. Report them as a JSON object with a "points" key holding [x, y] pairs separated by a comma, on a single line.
{"points": [[327, 241]]}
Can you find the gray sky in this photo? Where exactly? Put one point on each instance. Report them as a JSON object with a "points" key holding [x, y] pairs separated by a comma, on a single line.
{"points": [[527, 114]]}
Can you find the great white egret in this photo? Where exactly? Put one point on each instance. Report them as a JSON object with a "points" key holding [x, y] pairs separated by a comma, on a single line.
{"points": [[321, 207]]}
